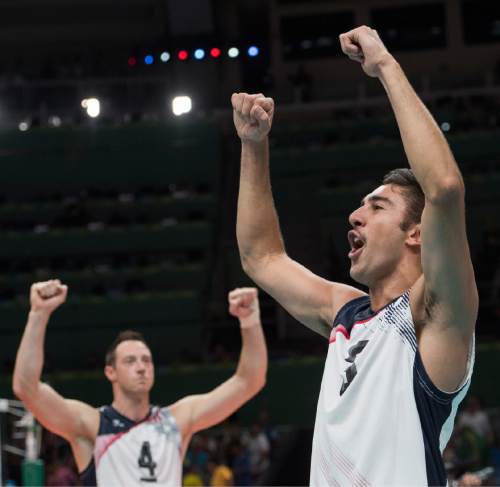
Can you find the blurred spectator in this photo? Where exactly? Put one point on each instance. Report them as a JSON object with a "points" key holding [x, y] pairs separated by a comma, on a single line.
{"points": [[221, 474], [192, 477], [267, 427], [469, 480], [463, 452], [475, 418], [62, 473], [259, 450], [240, 464], [197, 455]]}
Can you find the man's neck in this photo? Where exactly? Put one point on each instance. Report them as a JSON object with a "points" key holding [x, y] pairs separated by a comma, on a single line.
{"points": [[134, 408], [392, 286]]}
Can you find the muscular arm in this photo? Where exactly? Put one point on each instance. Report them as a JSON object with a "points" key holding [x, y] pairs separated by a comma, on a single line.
{"points": [[204, 410], [445, 298], [448, 288], [310, 299], [73, 420]]}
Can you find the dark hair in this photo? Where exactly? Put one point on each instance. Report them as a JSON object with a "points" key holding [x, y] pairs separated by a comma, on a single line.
{"points": [[122, 337], [412, 193]]}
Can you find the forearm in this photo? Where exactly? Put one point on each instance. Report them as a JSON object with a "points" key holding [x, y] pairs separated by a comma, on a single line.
{"points": [[427, 150], [29, 360], [257, 227], [252, 366]]}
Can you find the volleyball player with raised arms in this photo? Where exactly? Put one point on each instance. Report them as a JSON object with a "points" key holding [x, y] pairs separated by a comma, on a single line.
{"points": [[131, 442], [401, 355]]}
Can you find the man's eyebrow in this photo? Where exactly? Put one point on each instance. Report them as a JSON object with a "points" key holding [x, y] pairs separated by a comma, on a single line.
{"points": [[373, 198]]}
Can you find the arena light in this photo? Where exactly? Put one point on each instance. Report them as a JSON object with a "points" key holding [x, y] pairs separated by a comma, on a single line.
{"points": [[253, 51], [132, 61], [92, 106], [24, 126], [165, 57], [181, 105], [182, 55], [445, 127], [149, 59], [233, 52], [55, 121], [199, 54], [215, 52]]}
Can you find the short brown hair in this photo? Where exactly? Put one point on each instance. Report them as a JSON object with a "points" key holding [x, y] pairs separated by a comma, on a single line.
{"points": [[122, 337], [412, 194]]}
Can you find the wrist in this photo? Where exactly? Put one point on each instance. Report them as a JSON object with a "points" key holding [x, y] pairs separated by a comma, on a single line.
{"points": [[250, 321], [387, 66], [39, 315], [255, 145]]}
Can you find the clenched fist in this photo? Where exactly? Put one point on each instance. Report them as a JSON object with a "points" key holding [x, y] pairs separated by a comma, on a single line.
{"points": [[244, 305], [47, 296], [364, 45], [252, 115]]}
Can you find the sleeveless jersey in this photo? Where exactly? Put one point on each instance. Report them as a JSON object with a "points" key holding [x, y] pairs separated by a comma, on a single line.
{"points": [[130, 454], [380, 420]]}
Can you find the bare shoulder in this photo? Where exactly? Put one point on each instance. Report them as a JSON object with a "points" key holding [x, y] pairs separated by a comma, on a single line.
{"points": [[341, 295], [182, 413]]}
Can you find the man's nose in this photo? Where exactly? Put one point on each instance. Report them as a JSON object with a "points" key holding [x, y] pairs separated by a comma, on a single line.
{"points": [[356, 218]]}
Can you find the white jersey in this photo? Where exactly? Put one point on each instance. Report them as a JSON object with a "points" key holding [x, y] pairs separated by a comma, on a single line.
{"points": [[132, 454], [380, 420]]}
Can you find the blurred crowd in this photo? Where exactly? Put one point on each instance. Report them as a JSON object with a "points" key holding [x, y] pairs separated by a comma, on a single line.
{"points": [[231, 455], [474, 444]]}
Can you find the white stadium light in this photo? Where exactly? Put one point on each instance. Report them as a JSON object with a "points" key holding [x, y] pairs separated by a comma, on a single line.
{"points": [[92, 106], [233, 52], [181, 105], [24, 126]]}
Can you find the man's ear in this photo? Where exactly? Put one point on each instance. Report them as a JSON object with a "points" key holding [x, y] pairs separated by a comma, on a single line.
{"points": [[110, 373], [413, 237]]}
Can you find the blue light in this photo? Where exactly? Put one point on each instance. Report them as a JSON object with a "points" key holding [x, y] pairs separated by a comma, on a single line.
{"points": [[253, 51], [149, 59], [199, 54]]}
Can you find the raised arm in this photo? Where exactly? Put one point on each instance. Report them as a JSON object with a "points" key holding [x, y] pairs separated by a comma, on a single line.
{"points": [[445, 299], [195, 413], [310, 299], [73, 420]]}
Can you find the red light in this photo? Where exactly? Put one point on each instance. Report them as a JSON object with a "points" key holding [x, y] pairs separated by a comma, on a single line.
{"points": [[183, 55], [132, 61], [215, 52]]}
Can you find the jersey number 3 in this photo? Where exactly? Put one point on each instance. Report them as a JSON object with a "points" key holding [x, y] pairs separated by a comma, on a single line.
{"points": [[352, 371], [146, 461]]}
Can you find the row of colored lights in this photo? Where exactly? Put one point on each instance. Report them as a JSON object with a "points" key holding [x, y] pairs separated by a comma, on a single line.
{"points": [[198, 54]]}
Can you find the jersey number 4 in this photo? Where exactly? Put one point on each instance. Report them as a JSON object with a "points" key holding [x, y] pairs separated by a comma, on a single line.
{"points": [[146, 461], [352, 371]]}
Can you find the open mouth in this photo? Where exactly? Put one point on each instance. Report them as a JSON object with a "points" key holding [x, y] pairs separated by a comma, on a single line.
{"points": [[356, 242]]}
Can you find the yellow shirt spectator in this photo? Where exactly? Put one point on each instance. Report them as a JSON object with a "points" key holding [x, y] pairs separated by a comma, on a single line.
{"points": [[222, 477]]}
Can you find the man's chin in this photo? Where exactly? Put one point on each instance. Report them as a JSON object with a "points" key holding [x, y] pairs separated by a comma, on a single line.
{"points": [[141, 388], [357, 275]]}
